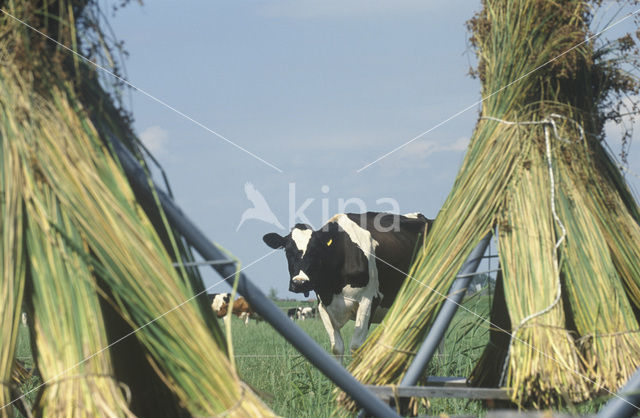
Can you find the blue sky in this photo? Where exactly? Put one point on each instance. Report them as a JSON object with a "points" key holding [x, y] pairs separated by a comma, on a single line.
{"points": [[315, 88]]}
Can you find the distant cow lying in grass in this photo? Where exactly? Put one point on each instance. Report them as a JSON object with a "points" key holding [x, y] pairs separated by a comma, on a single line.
{"points": [[301, 313], [355, 263], [241, 309], [292, 313], [306, 313]]}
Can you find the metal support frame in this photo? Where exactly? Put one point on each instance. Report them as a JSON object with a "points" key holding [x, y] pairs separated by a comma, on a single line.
{"points": [[627, 403], [204, 263], [258, 300], [440, 324], [460, 392], [449, 307]]}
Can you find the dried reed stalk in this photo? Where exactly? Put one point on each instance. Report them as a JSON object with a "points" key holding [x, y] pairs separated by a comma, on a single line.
{"points": [[532, 63], [602, 312], [128, 254], [86, 226], [68, 322], [544, 364], [12, 258], [389, 349]]}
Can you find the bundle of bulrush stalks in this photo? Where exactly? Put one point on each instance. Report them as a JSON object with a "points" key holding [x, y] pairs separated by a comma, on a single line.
{"points": [[89, 261], [538, 173]]}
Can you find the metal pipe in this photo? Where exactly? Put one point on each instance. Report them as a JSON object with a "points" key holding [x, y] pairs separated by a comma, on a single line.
{"points": [[203, 263], [627, 401], [478, 273], [442, 321], [261, 303]]}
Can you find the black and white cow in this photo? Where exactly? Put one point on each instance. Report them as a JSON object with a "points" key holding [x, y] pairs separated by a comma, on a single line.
{"points": [[292, 313], [306, 313], [352, 264]]}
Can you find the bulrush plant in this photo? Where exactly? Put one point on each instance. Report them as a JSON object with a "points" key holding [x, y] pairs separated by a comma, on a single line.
{"points": [[537, 172], [602, 312], [79, 246], [66, 326], [13, 263]]}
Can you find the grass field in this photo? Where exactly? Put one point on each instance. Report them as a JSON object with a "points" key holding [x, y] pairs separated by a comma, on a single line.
{"points": [[294, 388]]}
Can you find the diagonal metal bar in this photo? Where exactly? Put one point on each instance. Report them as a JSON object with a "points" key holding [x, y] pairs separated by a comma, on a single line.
{"points": [[627, 402], [203, 263], [442, 321], [258, 300]]}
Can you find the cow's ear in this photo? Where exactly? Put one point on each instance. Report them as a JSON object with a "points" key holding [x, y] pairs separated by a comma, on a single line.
{"points": [[274, 240]]}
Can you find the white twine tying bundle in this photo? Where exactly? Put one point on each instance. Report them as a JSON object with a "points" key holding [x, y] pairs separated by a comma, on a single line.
{"points": [[547, 122]]}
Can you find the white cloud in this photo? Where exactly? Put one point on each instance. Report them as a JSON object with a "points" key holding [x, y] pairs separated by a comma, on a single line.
{"points": [[333, 140], [306, 9], [420, 150], [155, 139]]}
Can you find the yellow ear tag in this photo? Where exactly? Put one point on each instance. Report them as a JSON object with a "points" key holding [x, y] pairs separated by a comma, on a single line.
{"points": [[329, 242]]}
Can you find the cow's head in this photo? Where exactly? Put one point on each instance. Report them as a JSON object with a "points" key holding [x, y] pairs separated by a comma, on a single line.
{"points": [[295, 247], [325, 253], [316, 258]]}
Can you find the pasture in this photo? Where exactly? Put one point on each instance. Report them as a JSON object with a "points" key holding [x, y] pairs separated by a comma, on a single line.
{"points": [[290, 385], [294, 388]]}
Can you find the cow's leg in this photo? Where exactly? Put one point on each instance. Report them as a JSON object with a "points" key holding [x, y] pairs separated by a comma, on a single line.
{"points": [[363, 317], [337, 345]]}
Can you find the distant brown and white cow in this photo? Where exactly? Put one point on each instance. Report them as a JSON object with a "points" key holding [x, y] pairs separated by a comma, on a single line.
{"points": [[219, 299], [241, 309], [355, 263]]}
